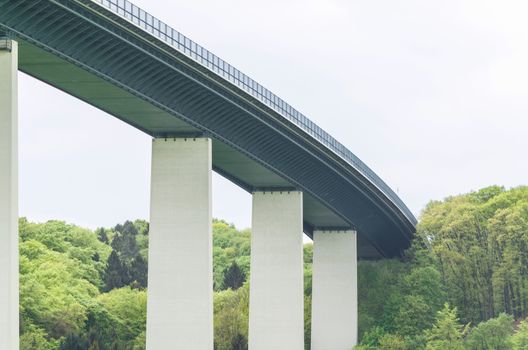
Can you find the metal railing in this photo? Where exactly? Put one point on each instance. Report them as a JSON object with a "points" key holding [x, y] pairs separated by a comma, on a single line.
{"points": [[178, 41]]}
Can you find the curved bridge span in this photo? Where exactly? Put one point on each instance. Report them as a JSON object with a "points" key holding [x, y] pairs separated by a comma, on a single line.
{"points": [[120, 59]]}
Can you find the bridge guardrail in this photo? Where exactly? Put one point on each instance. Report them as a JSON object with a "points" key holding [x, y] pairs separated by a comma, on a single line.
{"points": [[172, 37]]}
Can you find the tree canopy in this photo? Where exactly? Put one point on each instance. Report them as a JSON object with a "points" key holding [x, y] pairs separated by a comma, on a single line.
{"points": [[462, 285]]}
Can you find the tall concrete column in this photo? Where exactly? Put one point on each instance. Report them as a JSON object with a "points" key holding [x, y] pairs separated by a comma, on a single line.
{"points": [[180, 278], [334, 290], [8, 195], [276, 311]]}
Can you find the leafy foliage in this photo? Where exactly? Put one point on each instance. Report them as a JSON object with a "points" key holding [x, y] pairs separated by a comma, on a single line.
{"points": [[447, 333], [231, 310], [520, 339], [234, 277], [470, 251], [116, 274], [479, 243], [87, 290], [492, 334], [230, 246]]}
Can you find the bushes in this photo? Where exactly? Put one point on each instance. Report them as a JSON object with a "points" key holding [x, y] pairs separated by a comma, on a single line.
{"points": [[231, 310], [492, 334]]}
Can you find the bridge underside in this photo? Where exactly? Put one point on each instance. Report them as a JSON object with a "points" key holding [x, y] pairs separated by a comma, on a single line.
{"points": [[227, 161], [89, 53]]}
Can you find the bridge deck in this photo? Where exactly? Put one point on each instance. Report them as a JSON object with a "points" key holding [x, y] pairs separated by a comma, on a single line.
{"points": [[146, 79]]}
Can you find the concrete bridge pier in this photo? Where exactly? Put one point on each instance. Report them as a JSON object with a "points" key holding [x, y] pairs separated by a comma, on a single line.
{"points": [[180, 279], [276, 310], [8, 194], [334, 290]]}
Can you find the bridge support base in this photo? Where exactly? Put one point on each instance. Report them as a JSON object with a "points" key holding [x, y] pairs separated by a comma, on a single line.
{"points": [[8, 195], [276, 311], [334, 290], [180, 294]]}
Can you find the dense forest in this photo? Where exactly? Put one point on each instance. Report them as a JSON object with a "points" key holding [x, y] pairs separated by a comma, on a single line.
{"points": [[462, 285]]}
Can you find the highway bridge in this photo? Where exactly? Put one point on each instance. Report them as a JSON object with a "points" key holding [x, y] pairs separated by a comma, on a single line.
{"points": [[203, 115]]}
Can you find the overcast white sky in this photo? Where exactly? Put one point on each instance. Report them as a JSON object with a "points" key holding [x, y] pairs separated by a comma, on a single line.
{"points": [[432, 95]]}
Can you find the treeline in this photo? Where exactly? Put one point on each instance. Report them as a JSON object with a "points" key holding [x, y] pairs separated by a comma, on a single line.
{"points": [[70, 295], [462, 285], [479, 242], [87, 290]]}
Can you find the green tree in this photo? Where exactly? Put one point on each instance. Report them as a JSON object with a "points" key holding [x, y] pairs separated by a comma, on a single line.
{"points": [[234, 277], [102, 236], [126, 246], [447, 333], [380, 293], [371, 338], [492, 334], [139, 271], [141, 341], [392, 342], [307, 322], [74, 342], [413, 316], [100, 331], [53, 291], [128, 307], [520, 338], [116, 275], [36, 339], [478, 243], [231, 317], [229, 246]]}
